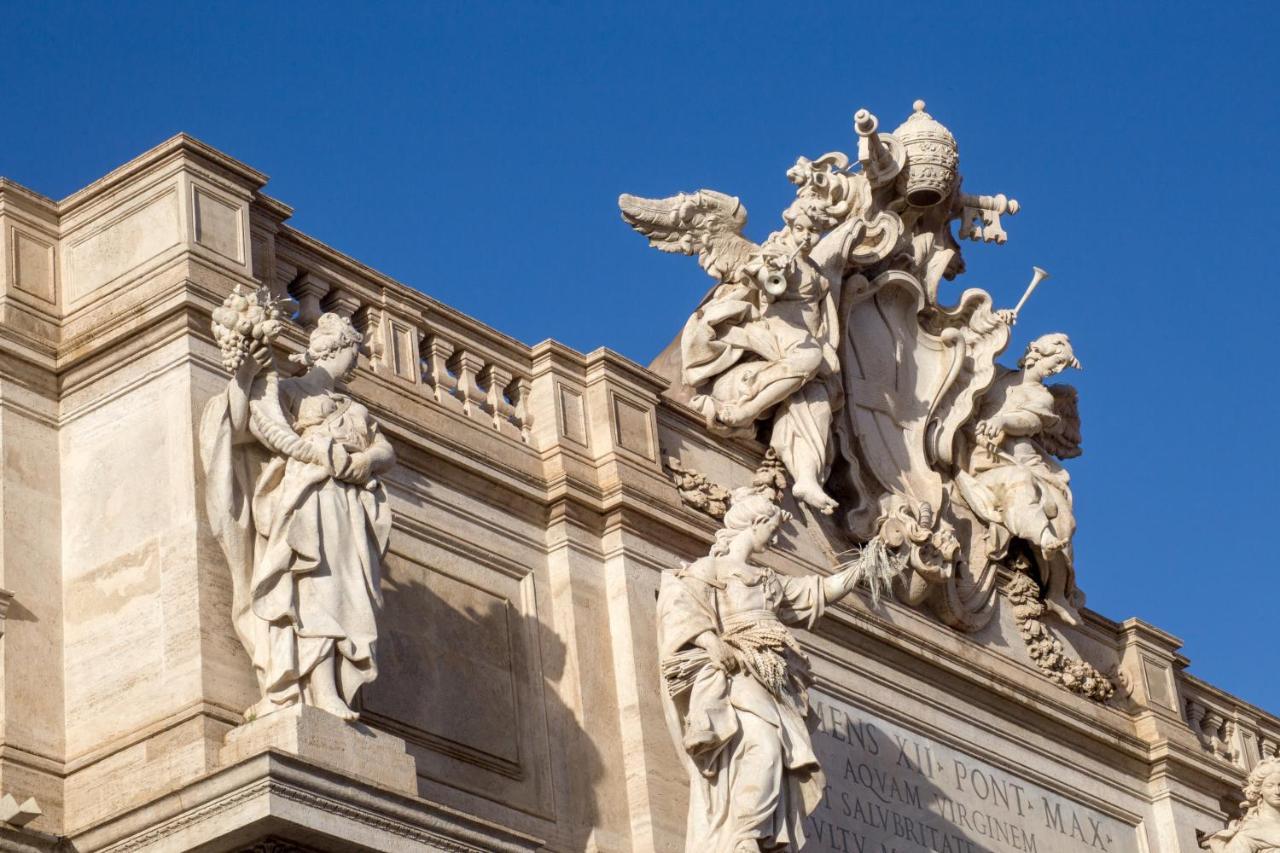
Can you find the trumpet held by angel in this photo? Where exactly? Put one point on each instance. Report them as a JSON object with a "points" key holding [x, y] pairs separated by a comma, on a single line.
{"points": [[1013, 480]]}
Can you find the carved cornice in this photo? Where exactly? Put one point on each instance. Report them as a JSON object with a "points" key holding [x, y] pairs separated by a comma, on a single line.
{"points": [[272, 777], [277, 845], [175, 148]]}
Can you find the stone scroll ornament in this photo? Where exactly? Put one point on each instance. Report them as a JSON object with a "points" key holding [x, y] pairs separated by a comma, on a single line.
{"points": [[294, 498], [831, 342], [737, 682], [1258, 831]]}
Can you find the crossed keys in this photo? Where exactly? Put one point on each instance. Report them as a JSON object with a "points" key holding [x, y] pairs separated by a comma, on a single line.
{"points": [[980, 219]]}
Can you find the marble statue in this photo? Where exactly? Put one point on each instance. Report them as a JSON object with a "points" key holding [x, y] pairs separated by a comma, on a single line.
{"points": [[834, 343], [763, 341], [1259, 830], [294, 499], [737, 681], [1011, 478]]}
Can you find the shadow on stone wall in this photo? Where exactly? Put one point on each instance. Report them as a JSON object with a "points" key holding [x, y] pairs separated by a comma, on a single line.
{"points": [[469, 681]]}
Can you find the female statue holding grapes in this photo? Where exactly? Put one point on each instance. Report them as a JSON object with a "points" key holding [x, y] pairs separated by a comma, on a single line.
{"points": [[294, 498]]}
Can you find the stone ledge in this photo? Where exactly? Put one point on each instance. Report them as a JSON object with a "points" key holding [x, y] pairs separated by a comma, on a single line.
{"points": [[288, 798], [352, 749], [22, 840]]}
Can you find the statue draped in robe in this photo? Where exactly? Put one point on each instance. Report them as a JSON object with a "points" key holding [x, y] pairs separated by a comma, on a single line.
{"points": [[294, 499], [737, 685]]}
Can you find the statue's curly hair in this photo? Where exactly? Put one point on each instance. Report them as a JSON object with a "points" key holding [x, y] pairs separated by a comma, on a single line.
{"points": [[333, 332], [748, 506], [810, 211], [1045, 345], [1253, 785]]}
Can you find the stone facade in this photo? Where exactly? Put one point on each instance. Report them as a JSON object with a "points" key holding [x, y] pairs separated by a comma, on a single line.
{"points": [[518, 704]]}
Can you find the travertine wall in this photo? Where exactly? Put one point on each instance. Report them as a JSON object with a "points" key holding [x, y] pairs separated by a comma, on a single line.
{"points": [[533, 517]]}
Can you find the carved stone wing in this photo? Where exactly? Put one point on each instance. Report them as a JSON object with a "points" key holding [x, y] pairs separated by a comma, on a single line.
{"points": [[706, 223], [1063, 438]]}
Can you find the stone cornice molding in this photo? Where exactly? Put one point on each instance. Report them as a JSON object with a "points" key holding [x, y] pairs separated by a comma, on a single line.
{"points": [[178, 147], [291, 795]]}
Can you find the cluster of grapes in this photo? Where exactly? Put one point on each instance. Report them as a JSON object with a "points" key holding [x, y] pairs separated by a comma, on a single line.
{"points": [[242, 320]]}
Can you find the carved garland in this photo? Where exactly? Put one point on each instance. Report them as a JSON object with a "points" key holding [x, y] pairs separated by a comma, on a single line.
{"points": [[1076, 675], [697, 491]]}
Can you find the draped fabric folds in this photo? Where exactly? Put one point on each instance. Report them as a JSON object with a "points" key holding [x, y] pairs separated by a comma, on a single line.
{"points": [[304, 548], [754, 774]]}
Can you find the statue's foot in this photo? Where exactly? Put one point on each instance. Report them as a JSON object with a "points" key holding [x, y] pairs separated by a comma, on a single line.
{"points": [[1066, 614], [338, 708], [263, 707], [1052, 544], [811, 493]]}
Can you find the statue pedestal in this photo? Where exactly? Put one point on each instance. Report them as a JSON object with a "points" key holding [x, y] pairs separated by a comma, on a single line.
{"points": [[317, 736]]}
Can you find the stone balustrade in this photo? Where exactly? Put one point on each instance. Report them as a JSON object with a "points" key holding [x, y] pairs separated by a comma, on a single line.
{"points": [[457, 364], [1227, 728]]}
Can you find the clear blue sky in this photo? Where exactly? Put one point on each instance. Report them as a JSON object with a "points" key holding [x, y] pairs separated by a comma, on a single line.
{"points": [[476, 152]]}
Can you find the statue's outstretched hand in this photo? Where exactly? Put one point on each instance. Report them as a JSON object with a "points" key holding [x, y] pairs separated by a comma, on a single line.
{"points": [[1007, 316]]}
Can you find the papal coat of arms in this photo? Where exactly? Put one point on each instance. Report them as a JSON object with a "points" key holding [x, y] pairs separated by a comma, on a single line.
{"points": [[882, 396]]}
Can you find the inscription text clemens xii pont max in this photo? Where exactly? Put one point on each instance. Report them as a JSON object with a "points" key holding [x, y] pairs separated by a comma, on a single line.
{"points": [[890, 790]]}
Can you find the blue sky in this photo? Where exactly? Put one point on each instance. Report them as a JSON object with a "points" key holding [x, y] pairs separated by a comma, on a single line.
{"points": [[476, 151]]}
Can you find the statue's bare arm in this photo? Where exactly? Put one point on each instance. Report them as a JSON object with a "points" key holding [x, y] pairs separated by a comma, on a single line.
{"points": [[837, 586], [1017, 422], [269, 425]]}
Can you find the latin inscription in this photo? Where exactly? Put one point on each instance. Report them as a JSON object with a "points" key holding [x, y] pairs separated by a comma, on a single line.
{"points": [[890, 790]]}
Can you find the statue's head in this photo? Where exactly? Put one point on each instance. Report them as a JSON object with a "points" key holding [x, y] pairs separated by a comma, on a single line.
{"points": [[1049, 355], [1263, 785], [808, 217], [335, 344], [750, 514]]}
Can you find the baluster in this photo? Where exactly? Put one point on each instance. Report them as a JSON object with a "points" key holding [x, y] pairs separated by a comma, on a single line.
{"points": [[495, 380], [1229, 751], [342, 303], [467, 366], [444, 384], [1195, 719], [518, 390], [309, 289], [1213, 724]]}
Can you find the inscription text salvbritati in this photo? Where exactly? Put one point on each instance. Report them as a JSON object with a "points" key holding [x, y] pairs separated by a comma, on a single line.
{"points": [[891, 790]]}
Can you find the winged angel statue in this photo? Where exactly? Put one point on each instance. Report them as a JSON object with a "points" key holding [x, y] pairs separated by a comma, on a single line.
{"points": [[829, 342]]}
